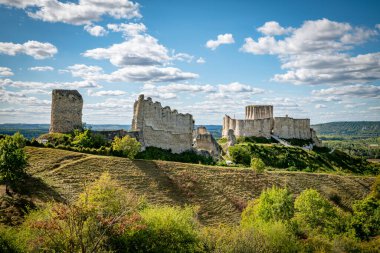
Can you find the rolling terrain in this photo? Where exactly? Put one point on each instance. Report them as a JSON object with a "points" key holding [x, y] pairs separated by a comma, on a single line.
{"points": [[220, 193]]}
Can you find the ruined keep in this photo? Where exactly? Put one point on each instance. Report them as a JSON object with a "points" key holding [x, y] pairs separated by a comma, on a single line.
{"points": [[259, 122], [66, 111], [161, 127], [203, 140]]}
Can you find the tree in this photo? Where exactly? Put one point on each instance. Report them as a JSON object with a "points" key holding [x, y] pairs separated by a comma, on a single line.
{"points": [[88, 139], [13, 160], [314, 212], [127, 146], [257, 165], [274, 204]]}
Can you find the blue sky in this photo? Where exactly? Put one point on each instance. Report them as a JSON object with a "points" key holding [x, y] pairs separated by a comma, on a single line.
{"points": [[310, 59]]}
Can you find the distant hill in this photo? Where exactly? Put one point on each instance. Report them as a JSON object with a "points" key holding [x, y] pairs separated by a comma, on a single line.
{"points": [[349, 128]]}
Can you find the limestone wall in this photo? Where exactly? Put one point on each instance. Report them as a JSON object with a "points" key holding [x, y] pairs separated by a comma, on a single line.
{"points": [[203, 140], [258, 111], [66, 111], [161, 127], [289, 128], [258, 127]]}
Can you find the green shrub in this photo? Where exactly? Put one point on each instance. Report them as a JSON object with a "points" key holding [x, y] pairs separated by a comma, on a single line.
{"points": [[127, 146], [274, 204], [88, 139], [13, 159], [366, 217], [240, 154], [165, 229], [257, 165], [264, 237], [314, 212]]}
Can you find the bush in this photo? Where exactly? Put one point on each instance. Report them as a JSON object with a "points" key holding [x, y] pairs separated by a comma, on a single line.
{"points": [[274, 204], [13, 159], [88, 139], [240, 154], [257, 165], [264, 237], [366, 217], [127, 146], [313, 212], [165, 229]]}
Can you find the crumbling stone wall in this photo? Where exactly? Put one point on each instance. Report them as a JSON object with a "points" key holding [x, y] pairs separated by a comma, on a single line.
{"points": [[161, 127], [289, 128], [66, 111], [203, 140], [257, 127]]}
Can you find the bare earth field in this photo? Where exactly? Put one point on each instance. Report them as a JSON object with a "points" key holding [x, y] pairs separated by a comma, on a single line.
{"points": [[221, 193]]}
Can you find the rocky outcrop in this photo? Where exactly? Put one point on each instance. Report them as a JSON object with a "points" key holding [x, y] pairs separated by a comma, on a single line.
{"points": [[162, 127], [66, 111], [203, 140]]}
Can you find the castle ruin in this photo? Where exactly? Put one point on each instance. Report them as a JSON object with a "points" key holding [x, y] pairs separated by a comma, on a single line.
{"points": [[66, 111], [259, 122], [203, 140], [161, 127]]}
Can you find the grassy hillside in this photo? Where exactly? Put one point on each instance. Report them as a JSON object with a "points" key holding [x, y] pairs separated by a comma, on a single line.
{"points": [[221, 193], [350, 128]]}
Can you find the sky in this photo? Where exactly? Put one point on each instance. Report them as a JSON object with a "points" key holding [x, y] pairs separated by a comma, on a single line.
{"points": [[309, 59]]}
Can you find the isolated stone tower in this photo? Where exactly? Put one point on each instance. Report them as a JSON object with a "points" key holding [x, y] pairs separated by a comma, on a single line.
{"points": [[66, 111]]}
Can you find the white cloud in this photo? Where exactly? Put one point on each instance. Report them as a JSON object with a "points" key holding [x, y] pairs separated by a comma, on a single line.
{"points": [[48, 85], [148, 74], [85, 72], [377, 26], [38, 50], [182, 57], [273, 28], [138, 50], [96, 30], [315, 54], [319, 106], [12, 97], [106, 93], [221, 39], [41, 68], [4, 71], [81, 13], [200, 60], [130, 29], [358, 90], [171, 90]]}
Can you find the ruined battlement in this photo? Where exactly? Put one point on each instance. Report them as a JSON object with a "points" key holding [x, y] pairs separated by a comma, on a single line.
{"points": [[66, 111], [259, 111], [162, 127], [204, 141], [241, 127]]}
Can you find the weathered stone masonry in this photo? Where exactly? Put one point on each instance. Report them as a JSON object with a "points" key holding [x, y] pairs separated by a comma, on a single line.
{"points": [[66, 111], [161, 127]]}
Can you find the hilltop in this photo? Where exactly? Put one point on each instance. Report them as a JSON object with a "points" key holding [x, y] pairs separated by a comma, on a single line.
{"points": [[221, 193], [358, 129]]}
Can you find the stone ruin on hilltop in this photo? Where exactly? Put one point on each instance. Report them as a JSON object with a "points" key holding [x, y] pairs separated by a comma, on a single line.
{"points": [[259, 122], [157, 126], [66, 111]]}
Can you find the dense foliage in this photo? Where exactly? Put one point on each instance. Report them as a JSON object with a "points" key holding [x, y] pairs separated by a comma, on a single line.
{"points": [[13, 159], [349, 128], [127, 146], [293, 158], [153, 153]]}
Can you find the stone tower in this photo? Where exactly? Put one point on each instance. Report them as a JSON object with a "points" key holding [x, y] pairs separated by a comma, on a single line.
{"points": [[66, 111], [258, 111]]}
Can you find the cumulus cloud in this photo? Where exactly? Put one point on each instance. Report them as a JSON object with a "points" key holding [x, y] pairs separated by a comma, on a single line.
{"points": [[38, 50], [85, 72], [273, 28], [221, 39], [82, 13], [130, 29], [96, 30], [41, 68], [138, 50], [377, 26], [48, 85], [106, 93], [171, 90], [200, 60], [358, 90], [315, 53], [4, 71], [12, 97], [182, 57]]}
